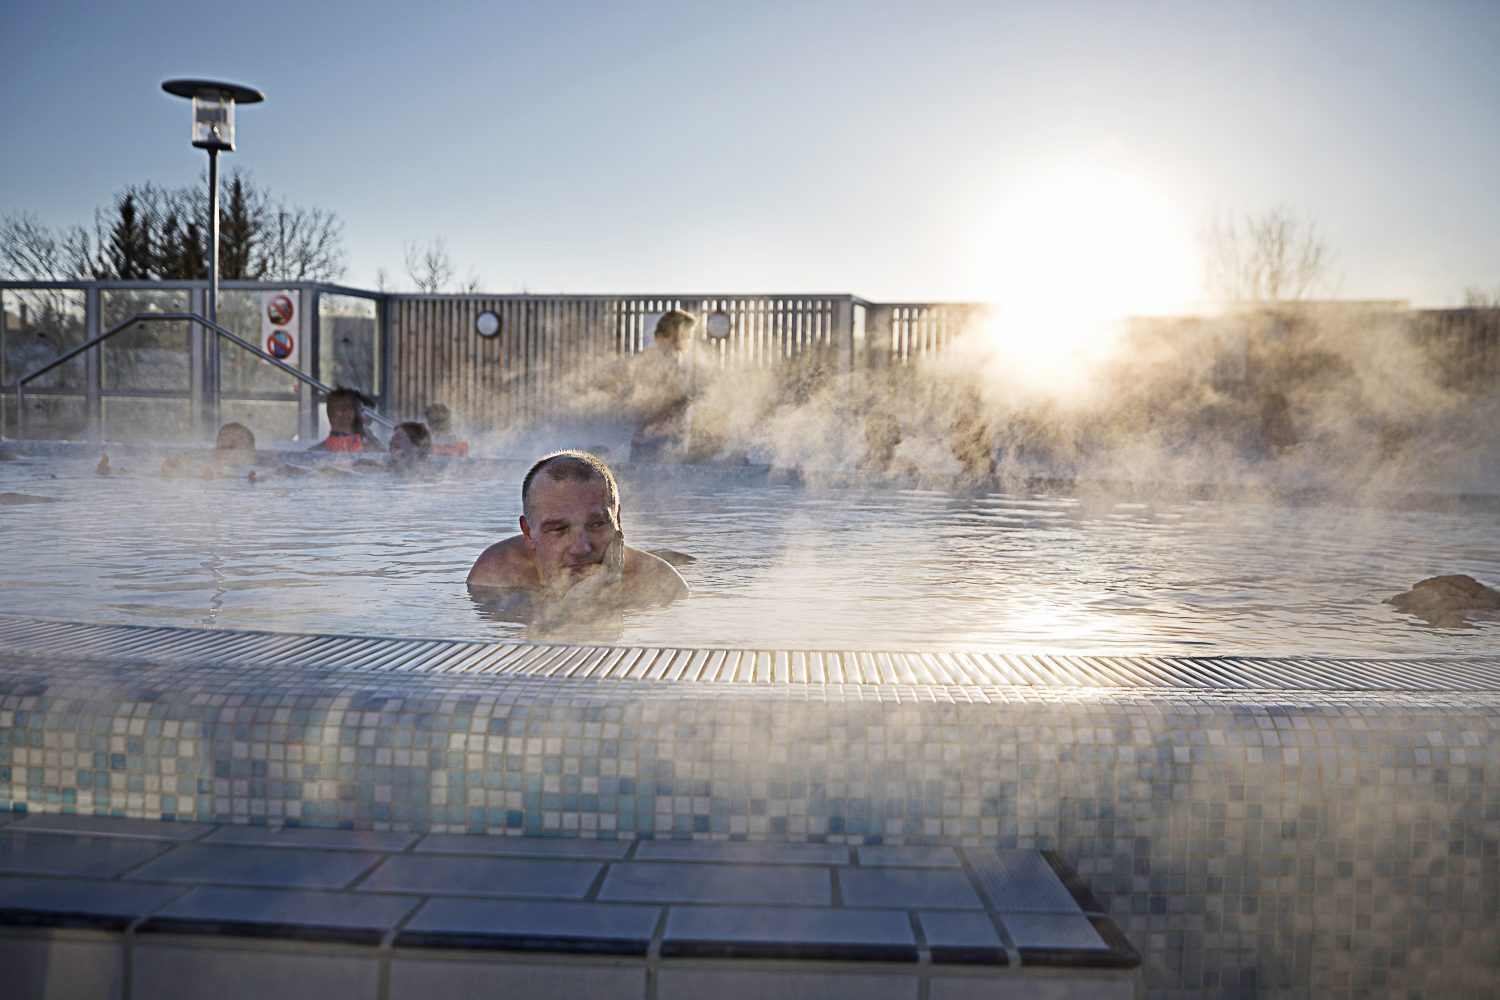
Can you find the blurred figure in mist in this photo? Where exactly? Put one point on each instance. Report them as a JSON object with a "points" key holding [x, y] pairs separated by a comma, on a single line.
{"points": [[882, 438], [235, 437], [409, 447], [347, 431], [655, 387], [969, 440], [445, 441], [1277, 432], [709, 438], [234, 448]]}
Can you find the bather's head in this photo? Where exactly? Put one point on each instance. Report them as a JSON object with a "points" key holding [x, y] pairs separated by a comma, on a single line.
{"points": [[345, 408], [673, 328], [235, 437], [410, 443], [439, 418], [571, 511]]}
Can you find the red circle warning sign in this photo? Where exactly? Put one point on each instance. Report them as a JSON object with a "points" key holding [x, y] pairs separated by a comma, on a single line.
{"points": [[279, 344], [279, 310]]}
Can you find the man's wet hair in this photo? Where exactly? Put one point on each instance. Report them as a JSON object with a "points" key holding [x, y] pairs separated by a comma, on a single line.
{"points": [[673, 324], [578, 466]]}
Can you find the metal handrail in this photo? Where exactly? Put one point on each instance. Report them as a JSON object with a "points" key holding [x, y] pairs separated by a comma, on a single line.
{"points": [[191, 317]]}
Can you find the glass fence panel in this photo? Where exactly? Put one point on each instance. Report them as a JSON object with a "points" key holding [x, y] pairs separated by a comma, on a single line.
{"points": [[40, 324], [255, 315], [151, 356], [349, 348], [133, 420], [270, 421], [48, 418]]}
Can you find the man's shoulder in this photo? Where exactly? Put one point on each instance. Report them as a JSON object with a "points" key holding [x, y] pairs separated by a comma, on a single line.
{"points": [[653, 576], [507, 563]]}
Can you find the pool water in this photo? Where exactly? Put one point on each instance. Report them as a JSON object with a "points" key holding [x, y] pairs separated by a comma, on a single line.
{"points": [[778, 566]]}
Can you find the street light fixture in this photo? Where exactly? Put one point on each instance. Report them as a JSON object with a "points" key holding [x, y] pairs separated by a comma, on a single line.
{"points": [[213, 130]]}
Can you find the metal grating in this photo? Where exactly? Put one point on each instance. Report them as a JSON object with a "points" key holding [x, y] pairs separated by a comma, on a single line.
{"points": [[116, 644]]}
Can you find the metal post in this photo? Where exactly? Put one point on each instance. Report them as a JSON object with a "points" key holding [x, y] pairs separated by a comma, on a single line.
{"points": [[211, 357], [93, 368]]}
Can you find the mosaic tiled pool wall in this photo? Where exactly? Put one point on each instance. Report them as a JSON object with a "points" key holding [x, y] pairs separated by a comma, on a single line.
{"points": [[1249, 843]]}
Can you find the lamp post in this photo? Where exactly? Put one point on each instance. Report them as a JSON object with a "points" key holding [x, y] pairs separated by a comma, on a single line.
{"points": [[213, 130]]}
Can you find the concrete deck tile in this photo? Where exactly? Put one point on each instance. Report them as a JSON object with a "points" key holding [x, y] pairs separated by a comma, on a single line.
{"points": [[110, 826], [659, 882], [258, 866], [347, 840], [90, 902], [788, 932], [908, 888], [955, 936], [893, 856], [533, 847], [1052, 932], [543, 878], [1020, 880], [743, 852], [65, 854], [314, 915], [613, 928]]}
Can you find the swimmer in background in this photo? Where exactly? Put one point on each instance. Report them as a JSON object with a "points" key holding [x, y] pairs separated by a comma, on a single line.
{"points": [[235, 437], [234, 447], [346, 423], [570, 563], [655, 388], [445, 441], [409, 447], [969, 440]]}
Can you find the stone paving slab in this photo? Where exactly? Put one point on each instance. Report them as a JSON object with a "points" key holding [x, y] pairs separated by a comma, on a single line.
{"points": [[670, 898]]}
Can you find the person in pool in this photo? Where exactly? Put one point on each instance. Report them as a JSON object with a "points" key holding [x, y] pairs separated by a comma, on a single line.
{"points": [[346, 423], [570, 561], [409, 446]]}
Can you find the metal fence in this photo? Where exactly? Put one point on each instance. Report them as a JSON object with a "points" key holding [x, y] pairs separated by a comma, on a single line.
{"points": [[408, 351], [546, 346], [158, 381]]}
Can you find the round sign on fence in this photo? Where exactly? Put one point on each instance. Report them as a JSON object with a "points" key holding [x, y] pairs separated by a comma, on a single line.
{"points": [[280, 344], [279, 310]]}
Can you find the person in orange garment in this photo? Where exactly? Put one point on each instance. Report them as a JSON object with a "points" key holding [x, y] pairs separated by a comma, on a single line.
{"points": [[346, 423]]}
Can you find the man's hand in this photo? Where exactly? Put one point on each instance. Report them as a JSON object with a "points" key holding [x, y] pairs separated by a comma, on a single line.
{"points": [[597, 592]]}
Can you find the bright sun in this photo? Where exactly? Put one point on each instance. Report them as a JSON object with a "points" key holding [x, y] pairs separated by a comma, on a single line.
{"points": [[1068, 255]]}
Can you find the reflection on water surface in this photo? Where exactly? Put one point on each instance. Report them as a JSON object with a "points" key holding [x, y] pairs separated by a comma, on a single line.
{"points": [[778, 566]]}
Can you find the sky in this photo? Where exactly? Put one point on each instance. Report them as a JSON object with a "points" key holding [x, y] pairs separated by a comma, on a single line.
{"points": [[897, 151]]}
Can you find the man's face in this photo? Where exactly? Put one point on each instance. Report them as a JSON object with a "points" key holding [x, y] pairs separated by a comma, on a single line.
{"points": [[570, 527]]}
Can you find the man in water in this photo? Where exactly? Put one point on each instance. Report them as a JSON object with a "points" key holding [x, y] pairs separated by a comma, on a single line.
{"points": [[570, 561]]}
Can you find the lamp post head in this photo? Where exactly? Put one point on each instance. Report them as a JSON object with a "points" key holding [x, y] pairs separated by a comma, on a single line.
{"points": [[213, 109]]}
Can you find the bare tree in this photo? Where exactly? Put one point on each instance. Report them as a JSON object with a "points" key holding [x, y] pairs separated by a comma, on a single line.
{"points": [[302, 244], [30, 251], [1272, 256], [1479, 298], [429, 267], [151, 232]]}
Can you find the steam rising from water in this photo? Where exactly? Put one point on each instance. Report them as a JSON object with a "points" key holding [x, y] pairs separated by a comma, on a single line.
{"points": [[1348, 397]]}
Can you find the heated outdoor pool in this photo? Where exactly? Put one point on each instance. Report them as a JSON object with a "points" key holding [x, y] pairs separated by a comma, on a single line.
{"points": [[858, 567]]}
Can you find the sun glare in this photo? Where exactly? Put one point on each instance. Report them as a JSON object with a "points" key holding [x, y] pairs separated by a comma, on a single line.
{"points": [[1069, 255]]}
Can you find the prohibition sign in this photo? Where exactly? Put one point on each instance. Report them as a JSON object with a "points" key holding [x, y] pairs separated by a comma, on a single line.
{"points": [[279, 344], [279, 310]]}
